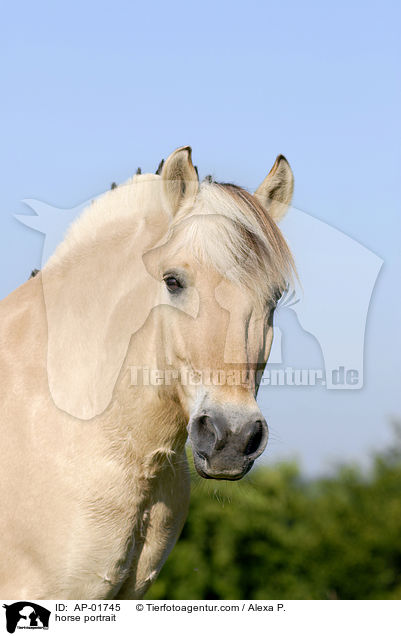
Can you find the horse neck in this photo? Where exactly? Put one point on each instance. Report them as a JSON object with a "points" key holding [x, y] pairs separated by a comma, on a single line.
{"points": [[151, 425], [98, 293]]}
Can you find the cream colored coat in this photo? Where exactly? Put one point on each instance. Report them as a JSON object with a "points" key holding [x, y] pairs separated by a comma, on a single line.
{"points": [[94, 481]]}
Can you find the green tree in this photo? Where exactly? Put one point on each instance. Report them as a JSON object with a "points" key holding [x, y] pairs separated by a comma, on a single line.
{"points": [[278, 535]]}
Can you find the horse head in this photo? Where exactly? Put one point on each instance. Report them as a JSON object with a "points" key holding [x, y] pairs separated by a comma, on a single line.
{"points": [[204, 264]]}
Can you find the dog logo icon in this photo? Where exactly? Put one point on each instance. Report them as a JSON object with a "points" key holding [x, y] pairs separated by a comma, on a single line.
{"points": [[26, 615]]}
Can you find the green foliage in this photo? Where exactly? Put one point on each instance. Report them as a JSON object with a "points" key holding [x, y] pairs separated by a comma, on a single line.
{"points": [[278, 536]]}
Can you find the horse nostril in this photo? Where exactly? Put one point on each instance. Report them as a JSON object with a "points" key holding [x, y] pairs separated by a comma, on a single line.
{"points": [[205, 425], [204, 436], [255, 439]]}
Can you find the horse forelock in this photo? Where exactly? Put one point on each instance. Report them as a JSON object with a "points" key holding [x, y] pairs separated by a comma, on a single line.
{"points": [[231, 230], [227, 228]]}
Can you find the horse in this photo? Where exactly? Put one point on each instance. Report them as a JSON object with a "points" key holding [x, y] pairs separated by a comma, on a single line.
{"points": [[163, 277]]}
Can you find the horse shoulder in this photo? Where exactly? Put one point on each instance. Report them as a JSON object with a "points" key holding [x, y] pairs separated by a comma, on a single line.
{"points": [[162, 522]]}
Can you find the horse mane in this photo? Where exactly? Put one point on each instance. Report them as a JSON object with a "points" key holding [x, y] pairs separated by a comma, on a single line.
{"points": [[232, 231], [227, 228]]}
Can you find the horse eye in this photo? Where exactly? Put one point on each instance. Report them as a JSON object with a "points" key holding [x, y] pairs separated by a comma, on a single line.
{"points": [[173, 284]]}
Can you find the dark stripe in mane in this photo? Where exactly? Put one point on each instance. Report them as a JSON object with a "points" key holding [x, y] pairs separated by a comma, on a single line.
{"points": [[257, 212]]}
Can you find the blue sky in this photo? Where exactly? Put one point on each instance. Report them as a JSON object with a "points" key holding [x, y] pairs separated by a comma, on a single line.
{"points": [[92, 90]]}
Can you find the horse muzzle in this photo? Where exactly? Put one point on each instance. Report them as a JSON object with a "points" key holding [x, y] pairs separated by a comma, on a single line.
{"points": [[226, 443]]}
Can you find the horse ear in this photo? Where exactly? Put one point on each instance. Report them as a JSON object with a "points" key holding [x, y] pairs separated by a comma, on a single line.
{"points": [[180, 180], [275, 192]]}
